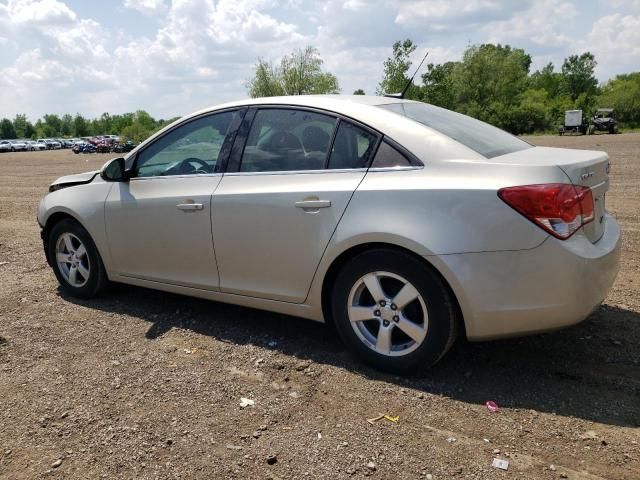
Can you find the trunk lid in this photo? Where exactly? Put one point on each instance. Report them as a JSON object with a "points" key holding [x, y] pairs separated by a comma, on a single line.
{"points": [[588, 168]]}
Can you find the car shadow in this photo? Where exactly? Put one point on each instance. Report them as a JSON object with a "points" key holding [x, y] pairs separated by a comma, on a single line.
{"points": [[590, 371]]}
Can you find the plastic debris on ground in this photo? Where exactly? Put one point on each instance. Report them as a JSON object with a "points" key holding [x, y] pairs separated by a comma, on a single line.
{"points": [[246, 402], [384, 416], [492, 406], [499, 463]]}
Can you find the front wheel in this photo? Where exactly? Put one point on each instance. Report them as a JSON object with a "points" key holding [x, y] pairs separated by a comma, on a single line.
{"points": [[393, 310], [75, 259]]}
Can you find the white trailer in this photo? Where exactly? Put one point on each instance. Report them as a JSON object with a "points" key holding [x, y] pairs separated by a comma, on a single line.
{"points": [[573, 123]]}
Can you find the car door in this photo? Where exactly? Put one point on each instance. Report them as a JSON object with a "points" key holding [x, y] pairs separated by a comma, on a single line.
{"points": [[159, 222], [279, 203]]}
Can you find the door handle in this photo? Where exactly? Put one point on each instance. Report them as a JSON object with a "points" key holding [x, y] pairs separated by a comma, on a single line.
{"points": [[313, 204], [190, 207]]}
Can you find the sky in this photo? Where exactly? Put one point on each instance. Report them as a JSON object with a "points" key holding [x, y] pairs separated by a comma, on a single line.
{"points": [[171, 57]]}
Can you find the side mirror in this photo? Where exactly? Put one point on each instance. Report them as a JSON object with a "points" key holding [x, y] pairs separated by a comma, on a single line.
{"points": [[114, 171]]}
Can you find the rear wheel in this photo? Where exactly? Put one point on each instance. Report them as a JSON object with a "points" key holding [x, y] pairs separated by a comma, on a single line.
{"points": [[393, 310], [76, 261]]}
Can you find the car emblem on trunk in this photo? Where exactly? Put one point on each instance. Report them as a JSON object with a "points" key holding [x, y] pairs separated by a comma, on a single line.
{"points": [[586, 175]]}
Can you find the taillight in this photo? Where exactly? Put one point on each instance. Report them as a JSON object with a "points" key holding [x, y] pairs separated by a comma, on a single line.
{"points": [[558, 208]]}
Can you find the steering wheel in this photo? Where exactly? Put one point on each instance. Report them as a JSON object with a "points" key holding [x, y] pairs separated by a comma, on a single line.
{"points": [[203, 167]]}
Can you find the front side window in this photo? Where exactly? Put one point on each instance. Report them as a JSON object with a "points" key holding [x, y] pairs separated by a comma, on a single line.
{"points": [[191, 149], [287, 140], [352, 148]]}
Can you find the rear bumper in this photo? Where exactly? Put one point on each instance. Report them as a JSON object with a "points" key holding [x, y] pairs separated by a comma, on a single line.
{"points": [[554, 285]]}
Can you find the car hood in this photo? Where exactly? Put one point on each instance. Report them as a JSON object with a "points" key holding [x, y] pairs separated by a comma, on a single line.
{"points": [[77, 179]]}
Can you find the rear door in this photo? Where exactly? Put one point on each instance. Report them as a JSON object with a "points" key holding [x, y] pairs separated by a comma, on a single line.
{"points": [[274, 212]]}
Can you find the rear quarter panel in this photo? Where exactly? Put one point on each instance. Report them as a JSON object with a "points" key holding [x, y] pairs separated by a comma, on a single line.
{"points": [[442, 209]]}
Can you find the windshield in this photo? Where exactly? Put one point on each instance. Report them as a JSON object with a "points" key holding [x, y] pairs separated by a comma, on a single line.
{"points": [[481, 137]]}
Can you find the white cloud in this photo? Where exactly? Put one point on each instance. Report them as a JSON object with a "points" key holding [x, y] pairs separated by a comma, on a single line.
{"points": [[39, 12], [615, 42], [543, 24], [147, 7], [186, 54]]}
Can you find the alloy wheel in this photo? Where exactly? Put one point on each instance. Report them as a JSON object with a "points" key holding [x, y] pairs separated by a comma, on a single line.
{"points": [[388, 314], [72, 260]]}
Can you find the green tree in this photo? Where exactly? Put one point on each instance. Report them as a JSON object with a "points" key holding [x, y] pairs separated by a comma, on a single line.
{"points": [[578, 75], [299, 73], [359, 91], [80, 126], [396, 68], [52, 125], [67, 125], [266, 81], [623, 94], [439, 86], [135, 132], [21, 126], [547, 79], [7, 130], [489, 82]]}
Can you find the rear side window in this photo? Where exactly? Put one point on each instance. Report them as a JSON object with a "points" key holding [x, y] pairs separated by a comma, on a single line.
{"points": [[352, 148], [287, 140], [487, 140], [389, 157]]}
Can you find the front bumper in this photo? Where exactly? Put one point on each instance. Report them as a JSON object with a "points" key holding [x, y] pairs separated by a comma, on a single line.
{"points": [[554, 285]]}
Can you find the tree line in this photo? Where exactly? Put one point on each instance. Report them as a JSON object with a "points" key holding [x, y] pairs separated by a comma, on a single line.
{"points": [[491, 82], [130, 126]]}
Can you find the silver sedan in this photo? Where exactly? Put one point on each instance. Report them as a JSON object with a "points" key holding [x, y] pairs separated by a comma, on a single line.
{"points": [[403, 224]]}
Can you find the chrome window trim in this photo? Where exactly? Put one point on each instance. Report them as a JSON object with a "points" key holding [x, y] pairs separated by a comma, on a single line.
{"points": [[396, 169], [296, 172], [188, 175]]}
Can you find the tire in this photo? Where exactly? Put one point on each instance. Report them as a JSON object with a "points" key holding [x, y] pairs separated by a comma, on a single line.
{"points": [[90, 277], [432, 334]]}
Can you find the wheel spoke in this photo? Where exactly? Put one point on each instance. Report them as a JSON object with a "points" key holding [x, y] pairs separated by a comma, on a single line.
{"points": [[383, 342], [372, 282], [83, 271], [68, 244], [413, 330], [81, 251], [63, 257], [73, 272], [359, 314], [405, 296]]}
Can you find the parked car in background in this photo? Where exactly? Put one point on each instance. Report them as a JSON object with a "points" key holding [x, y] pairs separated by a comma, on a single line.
{"points": [[123, 147], [32, 145], [401, 223], [18, 145], [53, 144], [5, 146], [84, 147]]}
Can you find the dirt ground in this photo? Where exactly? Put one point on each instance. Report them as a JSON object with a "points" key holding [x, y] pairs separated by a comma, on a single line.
{"points": [[142, 384]]}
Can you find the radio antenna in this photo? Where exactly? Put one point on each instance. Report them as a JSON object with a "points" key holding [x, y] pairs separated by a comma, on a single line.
{"points": [[406, 87]]}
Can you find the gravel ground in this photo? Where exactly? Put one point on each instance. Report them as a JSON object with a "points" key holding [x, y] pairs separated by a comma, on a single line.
{"points": [[143, 384]]}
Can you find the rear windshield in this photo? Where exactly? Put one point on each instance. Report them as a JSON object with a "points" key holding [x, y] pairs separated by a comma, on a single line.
{"points": [[481, 137]]}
